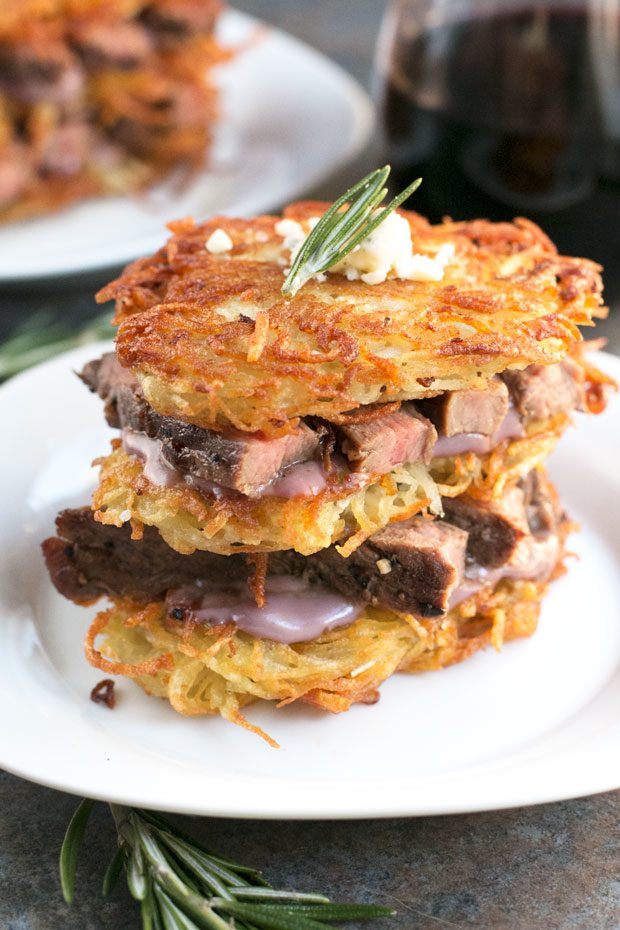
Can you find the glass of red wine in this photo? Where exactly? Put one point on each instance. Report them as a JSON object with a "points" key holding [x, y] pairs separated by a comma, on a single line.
{"points": [[509, 109]]}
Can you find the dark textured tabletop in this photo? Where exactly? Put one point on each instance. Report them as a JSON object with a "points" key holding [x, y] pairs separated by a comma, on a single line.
{"points": [[554, 867]]}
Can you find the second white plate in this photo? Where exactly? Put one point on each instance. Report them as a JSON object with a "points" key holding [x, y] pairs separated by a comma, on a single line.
{"points": [[290, 117], [538, 722]]}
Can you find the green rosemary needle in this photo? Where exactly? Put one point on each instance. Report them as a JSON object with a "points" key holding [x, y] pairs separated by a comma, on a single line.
{"points": [[40, 338], [180, 885], [339, 231]]}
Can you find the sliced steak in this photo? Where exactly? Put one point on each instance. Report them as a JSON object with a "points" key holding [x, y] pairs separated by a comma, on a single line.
{"points": [[176, 20], [412, 566], [88, 560], [40, 72], [468, 411], [542, 505], [420, 566], [106, 377], [494, 527], [381, 444], [422, 562], [112, 45], [245, 462], [542, 391], [15, 172], [66, 149]]}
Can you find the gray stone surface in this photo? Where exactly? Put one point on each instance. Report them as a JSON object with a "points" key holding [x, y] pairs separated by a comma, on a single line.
{"points": [[554, 867]]}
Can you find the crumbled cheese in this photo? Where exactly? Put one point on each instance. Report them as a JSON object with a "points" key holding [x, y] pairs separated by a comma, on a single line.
{"points": [[384, 566], [388, 250], [218, 242], [286, 228], [373, 277], [125, 515]]}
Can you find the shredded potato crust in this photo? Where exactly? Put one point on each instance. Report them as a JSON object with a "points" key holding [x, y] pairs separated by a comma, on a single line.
{"points": [[213, 341], [188, 521], [218, 670]]}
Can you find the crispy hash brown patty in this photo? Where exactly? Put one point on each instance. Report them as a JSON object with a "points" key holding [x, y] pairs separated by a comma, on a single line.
{"points": [[188, 521], [203, 670], [212, 340]]}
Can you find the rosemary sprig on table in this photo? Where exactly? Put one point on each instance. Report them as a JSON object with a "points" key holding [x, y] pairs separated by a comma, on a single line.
{"points": [[182, 886], [40, 338], [339, 231]]}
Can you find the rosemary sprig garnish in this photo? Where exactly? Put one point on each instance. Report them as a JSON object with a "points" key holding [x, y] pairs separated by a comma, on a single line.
{"points": [[40, 338], [339, 231], [182, 886]]}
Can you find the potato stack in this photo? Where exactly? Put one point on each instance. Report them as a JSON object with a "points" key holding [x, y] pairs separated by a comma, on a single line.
{"points": [[312, 492], [101, 96]]}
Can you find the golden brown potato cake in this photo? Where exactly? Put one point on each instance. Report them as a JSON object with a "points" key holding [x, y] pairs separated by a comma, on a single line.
{"points": [[203, 670], [344, 513], [213, 341]]}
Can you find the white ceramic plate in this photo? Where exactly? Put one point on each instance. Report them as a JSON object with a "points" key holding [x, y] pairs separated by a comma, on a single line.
{"points": [[290, 117], [538, 722]]}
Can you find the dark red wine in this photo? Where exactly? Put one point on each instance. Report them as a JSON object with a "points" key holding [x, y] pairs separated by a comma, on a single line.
{"points": [[512, 114]]}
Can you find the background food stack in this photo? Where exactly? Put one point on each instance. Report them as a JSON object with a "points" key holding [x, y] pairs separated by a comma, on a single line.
{"points": [[101, 96]]}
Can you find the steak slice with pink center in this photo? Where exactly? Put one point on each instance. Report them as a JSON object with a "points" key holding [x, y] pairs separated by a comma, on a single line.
{"points": [[468, 411], [383, 443]]}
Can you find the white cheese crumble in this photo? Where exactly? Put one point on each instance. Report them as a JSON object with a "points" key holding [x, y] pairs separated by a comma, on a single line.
{"points": [[384, 566], [125, 515], [218, 242], [387, 251]]}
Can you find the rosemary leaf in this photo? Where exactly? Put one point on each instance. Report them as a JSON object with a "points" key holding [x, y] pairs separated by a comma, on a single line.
{"points": [[40, 338], [136, 877], [180, 886], [195, 863], [268, 918], [147, 906], [339, 231], [273, 894], [332, 911], [228, 871], [70, 848], [113, 872], [172, 917]]}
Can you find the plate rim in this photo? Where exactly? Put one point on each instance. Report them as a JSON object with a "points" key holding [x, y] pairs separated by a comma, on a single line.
{"points": [[363, 116], [290, 807]]}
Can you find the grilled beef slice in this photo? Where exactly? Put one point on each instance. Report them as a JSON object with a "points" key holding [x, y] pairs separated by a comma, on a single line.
{"points": [[373, 444], [413, 566], [381, 444], [112, 45], [88, 560], [468, 411], [494, 527], [245, 462], [40, 72], [542, 391], [176, 20]]}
